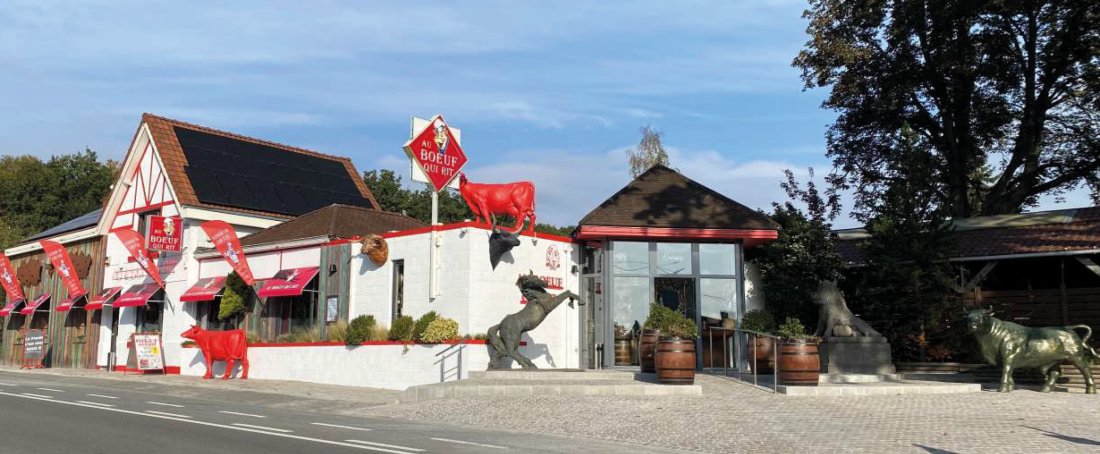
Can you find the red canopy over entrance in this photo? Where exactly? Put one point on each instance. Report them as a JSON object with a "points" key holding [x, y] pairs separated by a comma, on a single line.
{"points": [[204, 290], [31, 306], [101, 298], [10, 307], [137, 295], [68, 304], [289, 282]]}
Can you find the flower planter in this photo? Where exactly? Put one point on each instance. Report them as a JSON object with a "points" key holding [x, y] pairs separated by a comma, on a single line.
{"points": [[799, 363], [647, 347], [763, 350], [675, 361]]}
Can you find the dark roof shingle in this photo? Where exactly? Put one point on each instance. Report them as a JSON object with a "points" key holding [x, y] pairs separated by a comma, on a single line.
{"points": [[334, 221], [662, 197]]}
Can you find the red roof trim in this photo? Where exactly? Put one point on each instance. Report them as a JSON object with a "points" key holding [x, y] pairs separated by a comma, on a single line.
{"points": [[468, 224], [588, 232]]}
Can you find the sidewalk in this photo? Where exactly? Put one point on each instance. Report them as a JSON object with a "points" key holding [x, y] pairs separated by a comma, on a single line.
{"points": [[277, 393]]}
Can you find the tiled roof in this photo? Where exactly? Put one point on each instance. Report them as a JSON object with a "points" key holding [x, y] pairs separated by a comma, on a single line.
{"points": [[211, 184], [1049, 232], [662, 197], [334, 221], [89, 219]]}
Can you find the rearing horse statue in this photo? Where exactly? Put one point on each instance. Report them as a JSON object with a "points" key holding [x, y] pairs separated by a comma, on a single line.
{"points": [[505, 336]]}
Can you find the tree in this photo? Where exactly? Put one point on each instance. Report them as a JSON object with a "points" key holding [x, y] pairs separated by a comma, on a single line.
{"points": [[38, 195], [904, 286], [1009, 84], [648, 153], [804, 255]]}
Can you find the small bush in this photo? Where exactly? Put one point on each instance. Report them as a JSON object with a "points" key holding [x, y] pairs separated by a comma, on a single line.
{"points": [[338, 332], [188, 343], [402, 329], [439, 330], [359, 329], [378, 332], [758, 320], [658, 316], [422, 324], [481, 336], [235, 297], [793, 329], [251, 338]]}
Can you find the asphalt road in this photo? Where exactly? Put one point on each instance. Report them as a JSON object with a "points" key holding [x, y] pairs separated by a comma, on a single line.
{"points": [[53, 414]]}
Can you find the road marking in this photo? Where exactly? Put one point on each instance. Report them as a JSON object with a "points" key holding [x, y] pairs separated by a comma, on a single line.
{"points": [[385, 445], [101, 395], [37, 395], [339, 426], [50, 389], [210, 424], [167, 414], [483, 445], [241, 414], [164, 404], [250, 426], [95, 403], [8, 384]]}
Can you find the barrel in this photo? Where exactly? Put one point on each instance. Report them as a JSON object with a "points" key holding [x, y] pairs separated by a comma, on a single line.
{"points": [[799, 363], [675, 361], [623, 354], [762, 348], [647, 346]]}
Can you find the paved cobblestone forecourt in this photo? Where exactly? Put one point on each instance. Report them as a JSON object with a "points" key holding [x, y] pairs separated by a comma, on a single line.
{"points": [[733, 417]]}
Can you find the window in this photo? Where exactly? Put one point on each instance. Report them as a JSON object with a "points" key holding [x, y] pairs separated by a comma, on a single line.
{"points": [[674, 258], [150, 315], [208, 316], [630, 258], [718, 295], [717, 259], [398, 290], [291, 315]]}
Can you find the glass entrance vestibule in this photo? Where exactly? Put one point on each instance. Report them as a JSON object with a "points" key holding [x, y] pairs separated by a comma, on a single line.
{"points": [[701, 280]]}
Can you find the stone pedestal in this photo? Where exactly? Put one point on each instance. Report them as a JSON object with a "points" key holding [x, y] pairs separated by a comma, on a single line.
{"points": [[856, 356]]}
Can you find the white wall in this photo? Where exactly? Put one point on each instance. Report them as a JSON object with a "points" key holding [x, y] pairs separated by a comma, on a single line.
{"points": [[754, 287], [374, 366], [471, 291]]}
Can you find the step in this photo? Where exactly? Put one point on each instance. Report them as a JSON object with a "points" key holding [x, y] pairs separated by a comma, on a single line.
{"points": [[880, 389], [557, 374], [477, 388], [858, 378]]}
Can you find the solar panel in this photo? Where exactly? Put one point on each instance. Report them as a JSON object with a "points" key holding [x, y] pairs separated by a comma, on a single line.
{"points": [[238, 173]]}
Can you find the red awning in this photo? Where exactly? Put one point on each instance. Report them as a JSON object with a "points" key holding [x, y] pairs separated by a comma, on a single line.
{"points": [[68, 304], [101, 298], [204, 290], [289, 282], [136, 295], [31, 306], [10, 307]]}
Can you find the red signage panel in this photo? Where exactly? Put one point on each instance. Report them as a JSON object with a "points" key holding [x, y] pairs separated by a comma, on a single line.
{"points": [[437, 153], [289, 282], [165, 233], [8, 308], [225, 240], [59, 258], [135, 245], [204, 290], [9, 281]]}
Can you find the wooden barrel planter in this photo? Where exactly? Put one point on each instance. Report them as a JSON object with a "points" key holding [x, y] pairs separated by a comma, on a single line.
{"points": [[763, 349], [799, 363], [647, 347], [624, 355], [675, 361]]}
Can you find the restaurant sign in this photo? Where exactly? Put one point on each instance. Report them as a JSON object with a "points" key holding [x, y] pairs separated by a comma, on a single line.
{"points": [[148, 351], [437, 152], [165, 233]]}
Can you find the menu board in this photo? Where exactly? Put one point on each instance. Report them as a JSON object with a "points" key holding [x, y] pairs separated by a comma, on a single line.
{"points": [[148, 351]]}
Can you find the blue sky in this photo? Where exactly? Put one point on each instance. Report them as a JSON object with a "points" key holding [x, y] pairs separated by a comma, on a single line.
{"points": [[552, 92]]}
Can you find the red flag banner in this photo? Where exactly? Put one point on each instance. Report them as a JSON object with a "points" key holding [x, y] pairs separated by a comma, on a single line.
{"points": [[9, 281], [225, 240], [63, 265], [135, 244]]}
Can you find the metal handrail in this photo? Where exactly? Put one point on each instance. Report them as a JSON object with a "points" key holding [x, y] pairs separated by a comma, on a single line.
{"points": [[755, 369]]}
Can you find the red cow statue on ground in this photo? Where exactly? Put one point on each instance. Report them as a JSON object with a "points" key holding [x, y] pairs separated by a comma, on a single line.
{"points": [[228, 346], [515, 199]]}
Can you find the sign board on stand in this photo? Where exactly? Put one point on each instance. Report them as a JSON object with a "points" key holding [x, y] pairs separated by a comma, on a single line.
{"points": [[34, 349], [148, 352]]}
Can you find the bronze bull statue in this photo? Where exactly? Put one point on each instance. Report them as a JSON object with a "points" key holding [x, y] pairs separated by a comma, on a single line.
{"points": [[1012, 345]]}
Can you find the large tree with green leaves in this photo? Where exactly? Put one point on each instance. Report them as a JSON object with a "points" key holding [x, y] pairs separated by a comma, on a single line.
{"points": [[37, 195], [1005, 93]]}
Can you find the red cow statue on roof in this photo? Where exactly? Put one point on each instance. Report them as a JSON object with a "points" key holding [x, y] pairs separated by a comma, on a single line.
{"points": [[486, 200], [228, 346]]}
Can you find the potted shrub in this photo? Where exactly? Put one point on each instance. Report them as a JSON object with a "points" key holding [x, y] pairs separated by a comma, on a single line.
{"points": [[647, 342], [799, 363], [762, 348], [675, 355]]}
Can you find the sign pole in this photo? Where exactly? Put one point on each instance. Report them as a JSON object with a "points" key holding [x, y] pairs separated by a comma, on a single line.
{"points": [[433, 272]]}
